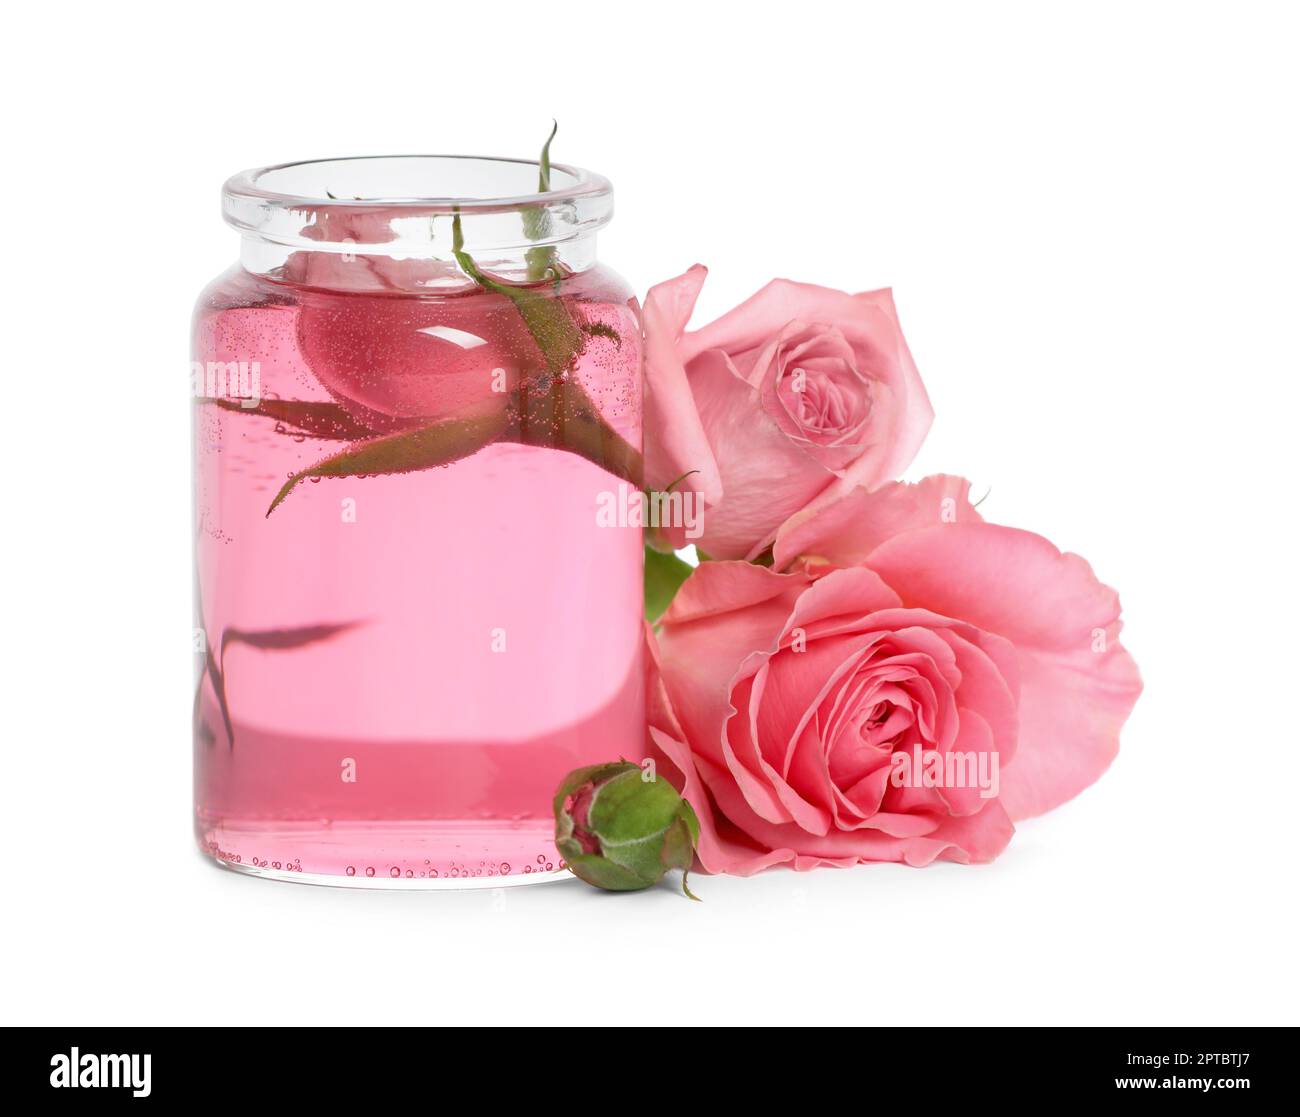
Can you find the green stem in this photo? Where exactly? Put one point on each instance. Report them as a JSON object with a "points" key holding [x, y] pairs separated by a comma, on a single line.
{"points": [[537, 221]]}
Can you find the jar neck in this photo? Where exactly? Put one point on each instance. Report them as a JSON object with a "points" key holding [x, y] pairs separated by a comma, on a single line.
{"points": [[347, 266], [415, 223]]}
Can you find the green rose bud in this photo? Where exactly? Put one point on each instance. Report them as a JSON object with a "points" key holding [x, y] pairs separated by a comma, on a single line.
{"points": [[621, 829]]}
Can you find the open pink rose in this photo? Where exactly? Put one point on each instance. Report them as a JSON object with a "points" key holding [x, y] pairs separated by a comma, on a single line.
{"points": [[903, 627], [797, 396]]}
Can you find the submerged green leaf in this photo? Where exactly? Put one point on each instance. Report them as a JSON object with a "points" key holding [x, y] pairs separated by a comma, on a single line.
{"points": [[664, 575], [268, 639], [555, 414], [280, 639], [314, 418], [406, 452]]}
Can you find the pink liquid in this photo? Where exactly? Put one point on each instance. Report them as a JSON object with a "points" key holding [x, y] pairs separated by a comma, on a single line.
{"points": [[460, 637]]}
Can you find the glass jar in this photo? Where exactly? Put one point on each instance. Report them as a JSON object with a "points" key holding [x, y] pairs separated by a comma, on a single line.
{"points": [[417, 414]]}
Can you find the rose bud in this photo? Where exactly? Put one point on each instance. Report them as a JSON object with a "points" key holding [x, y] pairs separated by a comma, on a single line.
{"points": [[621, 830]]}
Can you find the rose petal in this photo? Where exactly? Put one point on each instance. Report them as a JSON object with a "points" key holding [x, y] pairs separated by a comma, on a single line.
{"points": [[977, 837], [975, 740], [870, 323], [675, 443], [984, 687], [721, 588], [1072, 707], [845, 531], [746, 608], [910, 412], [720, 849], [763, 787], [1077, 684], [765, 475]]}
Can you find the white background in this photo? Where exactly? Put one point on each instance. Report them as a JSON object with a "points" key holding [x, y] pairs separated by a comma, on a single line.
{"points": [[1089, 217]]}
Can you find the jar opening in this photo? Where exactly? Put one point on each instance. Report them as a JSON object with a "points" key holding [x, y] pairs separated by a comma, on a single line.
{"points": [[405, 204]]}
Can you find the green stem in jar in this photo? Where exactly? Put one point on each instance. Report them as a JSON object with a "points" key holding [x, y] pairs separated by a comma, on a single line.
{"points": [[554, 410], [557, 415], [211, 665], [560, 415], [558, 337], [544, 163], [548, 409], [537, 220]]}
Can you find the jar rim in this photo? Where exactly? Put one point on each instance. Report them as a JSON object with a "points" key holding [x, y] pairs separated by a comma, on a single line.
{"points": [[289, 203]]}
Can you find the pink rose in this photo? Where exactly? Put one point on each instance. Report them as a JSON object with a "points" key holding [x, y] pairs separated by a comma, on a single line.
{"points": [[802, 709], [794, 398]]}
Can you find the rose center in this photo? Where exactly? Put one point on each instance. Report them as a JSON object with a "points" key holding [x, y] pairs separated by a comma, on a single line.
{"points": [[820, 404], [884, 724]]}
